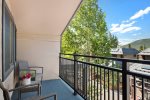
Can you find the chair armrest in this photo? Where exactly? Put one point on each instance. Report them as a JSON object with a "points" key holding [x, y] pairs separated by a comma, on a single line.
{"points": [[34, 67], [49, 95], [21, 87], [28, 70]]}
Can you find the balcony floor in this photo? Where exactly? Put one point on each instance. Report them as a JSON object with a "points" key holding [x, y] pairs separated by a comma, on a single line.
{"points": [[64, 92]]}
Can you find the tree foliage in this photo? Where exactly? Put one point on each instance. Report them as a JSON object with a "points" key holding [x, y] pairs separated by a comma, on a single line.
{"points": [[142, 47], [88, 33]]}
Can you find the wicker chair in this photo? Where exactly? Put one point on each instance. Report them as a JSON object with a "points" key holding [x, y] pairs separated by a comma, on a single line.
{"points": [[7, 97]]}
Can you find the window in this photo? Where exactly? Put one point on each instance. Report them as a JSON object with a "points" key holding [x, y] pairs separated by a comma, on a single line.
{"points": [[9, 42]]}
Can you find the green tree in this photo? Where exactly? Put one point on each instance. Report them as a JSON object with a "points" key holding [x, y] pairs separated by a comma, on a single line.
{"points": [[113, 41], [129, 45], [88, 33], [141, 48], [144, 46]]}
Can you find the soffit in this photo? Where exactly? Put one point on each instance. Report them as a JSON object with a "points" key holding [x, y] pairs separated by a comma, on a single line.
{"points": [[43, 16]]}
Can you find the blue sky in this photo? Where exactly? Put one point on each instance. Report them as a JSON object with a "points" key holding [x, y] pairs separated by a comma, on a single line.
{"points": [[129, 20]]}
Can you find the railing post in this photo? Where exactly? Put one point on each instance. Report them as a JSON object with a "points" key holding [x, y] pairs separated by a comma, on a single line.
{"points": [[59, 63], [75, 74], [125, 82]]}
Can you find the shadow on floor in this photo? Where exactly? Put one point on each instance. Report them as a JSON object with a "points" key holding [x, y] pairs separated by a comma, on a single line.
{"points": [[63, 91]]}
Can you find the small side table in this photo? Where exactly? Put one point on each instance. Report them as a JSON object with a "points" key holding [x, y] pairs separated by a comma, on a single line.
{"points": [[33, 88]]}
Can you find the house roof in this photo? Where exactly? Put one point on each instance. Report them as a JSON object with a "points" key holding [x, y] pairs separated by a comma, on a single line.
{"points": [[140, 68], [145, 52], [124, 51]]}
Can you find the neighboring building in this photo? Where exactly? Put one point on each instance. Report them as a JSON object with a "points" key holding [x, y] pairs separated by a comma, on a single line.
{"points": [[145, 54], [142, 69], [129, 53], [124, 53]]}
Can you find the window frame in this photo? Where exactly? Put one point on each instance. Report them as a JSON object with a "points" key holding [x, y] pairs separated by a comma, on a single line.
{"points": [[12, 43]]}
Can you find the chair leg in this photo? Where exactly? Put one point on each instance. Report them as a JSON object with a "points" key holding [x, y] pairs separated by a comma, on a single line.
{"points": [[55, 97], [38, 93], [19, 95], [39, 90]]}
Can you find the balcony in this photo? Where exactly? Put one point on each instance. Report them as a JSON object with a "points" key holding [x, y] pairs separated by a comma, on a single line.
{"points": [[97, 78], [103, 78], [38, 28]]}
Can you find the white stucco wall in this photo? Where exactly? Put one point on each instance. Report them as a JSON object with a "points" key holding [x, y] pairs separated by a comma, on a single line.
{"points": [[40, 50], [9, 82], [39, 26]]}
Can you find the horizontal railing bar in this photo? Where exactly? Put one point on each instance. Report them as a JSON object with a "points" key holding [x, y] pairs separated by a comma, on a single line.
{"points": [[138, 74], [66, 54], [113, 69], [96, 65], [67, 59], [114, 58], [101, 66]]}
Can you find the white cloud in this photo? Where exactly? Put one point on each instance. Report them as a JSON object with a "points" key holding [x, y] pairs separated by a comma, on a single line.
{"points": [[135, 34], [140, 13], [131, 29], [128, 25], [123, 28], [125, 41], [125, 21]]}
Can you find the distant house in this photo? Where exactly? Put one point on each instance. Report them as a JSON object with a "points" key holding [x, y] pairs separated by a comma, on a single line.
{"points": [[142, 69], [129, 53], [124, 53], [145, 54]]}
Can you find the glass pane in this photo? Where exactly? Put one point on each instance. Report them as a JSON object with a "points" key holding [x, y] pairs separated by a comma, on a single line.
{"points": [[7, 40]]}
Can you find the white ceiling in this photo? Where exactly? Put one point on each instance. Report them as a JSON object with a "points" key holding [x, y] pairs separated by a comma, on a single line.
{"points": [[42, 16]]}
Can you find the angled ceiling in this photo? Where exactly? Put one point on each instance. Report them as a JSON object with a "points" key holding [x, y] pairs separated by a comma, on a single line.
{"points": [[43, 16]]}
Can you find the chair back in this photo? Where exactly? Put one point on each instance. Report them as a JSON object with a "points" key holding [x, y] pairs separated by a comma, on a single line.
{"points": [[23, 65], [5, 91]]}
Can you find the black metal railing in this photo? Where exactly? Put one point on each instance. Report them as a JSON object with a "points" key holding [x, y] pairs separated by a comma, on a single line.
{"points": [[104, 78]]}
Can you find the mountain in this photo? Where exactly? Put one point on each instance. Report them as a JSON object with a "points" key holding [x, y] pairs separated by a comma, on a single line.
{"points": [[138, 43]]}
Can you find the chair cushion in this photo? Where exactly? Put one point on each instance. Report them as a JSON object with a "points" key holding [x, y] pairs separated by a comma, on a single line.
{"points": [[38, 76], [23, 65]]}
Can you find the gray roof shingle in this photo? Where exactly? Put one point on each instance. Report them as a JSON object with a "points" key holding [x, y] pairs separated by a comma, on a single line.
{"points": [[126, 51]]}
